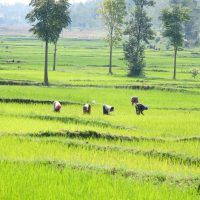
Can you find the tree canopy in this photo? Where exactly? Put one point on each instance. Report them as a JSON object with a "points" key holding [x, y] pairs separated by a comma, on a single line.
{"points": [[42, 19], [139, 33], [48, 18], [113, 13], [173, 19]]}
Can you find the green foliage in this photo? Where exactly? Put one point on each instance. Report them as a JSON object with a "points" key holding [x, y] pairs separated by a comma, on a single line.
{"points": [[42, 18], [113, 13], [48, 17], [139, 33], [134, 55], [61, 16], [194, 72], [173, 19]]}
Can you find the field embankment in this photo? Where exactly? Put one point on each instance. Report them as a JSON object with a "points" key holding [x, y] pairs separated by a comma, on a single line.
{"points": [[74, 156]]}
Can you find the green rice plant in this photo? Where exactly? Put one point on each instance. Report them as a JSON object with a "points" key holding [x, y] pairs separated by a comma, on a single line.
{"points": [[19, 181], [156, 122], [17, 149], [77, 156]]}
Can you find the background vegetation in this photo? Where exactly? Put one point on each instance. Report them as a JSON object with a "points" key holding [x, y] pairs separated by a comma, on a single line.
{"points": [[69, 155], [77, 156]]}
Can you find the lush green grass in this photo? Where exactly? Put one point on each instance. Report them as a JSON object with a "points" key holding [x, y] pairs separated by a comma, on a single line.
{"points": [[34, 150], [170, 114], [153, 98], [19, 181], [97, 77], [165, 123], [85, 53], [85, 63], [69, 155]]}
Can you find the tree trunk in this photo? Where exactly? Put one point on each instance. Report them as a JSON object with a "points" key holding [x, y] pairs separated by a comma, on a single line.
{"points": [[46, 64], [54, 61], [175, 55], [111, 49]]}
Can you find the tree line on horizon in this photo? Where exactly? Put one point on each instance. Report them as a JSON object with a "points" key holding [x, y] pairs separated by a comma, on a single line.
{"points": [[85, 16], [133, 25]]}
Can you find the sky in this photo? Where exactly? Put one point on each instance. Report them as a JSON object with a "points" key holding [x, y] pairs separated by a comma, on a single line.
{"points": [[28, 1]]}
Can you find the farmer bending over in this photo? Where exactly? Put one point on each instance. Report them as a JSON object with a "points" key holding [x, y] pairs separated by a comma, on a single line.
{"points": [[107, 109], [56, 106], [140, 108], [87, 109]]}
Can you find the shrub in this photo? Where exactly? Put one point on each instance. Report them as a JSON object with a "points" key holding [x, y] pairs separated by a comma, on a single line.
{"points": [[194, 72]]}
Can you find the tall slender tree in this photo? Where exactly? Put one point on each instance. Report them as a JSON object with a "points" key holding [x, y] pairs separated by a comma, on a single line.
{"points": [[173, 19], [113, 13], [139, 33], [62, 20], [44, 25]]}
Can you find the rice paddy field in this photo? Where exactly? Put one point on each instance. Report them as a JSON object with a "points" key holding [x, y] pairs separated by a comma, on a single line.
{"points": [[69, 155]]}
